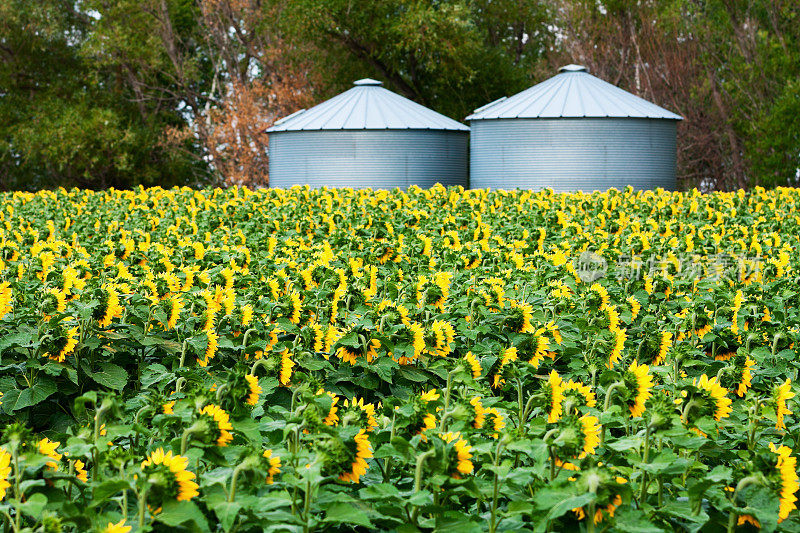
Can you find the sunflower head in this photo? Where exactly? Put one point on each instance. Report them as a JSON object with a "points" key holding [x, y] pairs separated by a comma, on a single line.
{"points": [[781, 395], [638, 386], [272, 464], [458, 456], [358, 413], [167, 478], [518, 317], [596, 298], [577, 395], [576, 436], [703, 398], [215, 425], [553, 391], [786, 479], [611, 490]]}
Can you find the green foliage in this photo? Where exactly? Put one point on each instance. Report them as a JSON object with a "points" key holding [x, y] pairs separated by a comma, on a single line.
{"points": [[453, 56], [67, 113], [329, 360]]}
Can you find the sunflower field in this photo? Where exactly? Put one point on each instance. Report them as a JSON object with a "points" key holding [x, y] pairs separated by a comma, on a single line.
{"points": [[445, 359]]}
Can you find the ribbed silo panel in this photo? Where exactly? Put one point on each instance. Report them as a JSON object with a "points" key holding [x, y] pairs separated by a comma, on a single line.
{"points": [[573, 154], [380, 159]]}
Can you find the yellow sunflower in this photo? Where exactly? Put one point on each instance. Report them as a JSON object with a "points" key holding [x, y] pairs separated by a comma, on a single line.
{"points": [[247, 314], [176, 304], [782, 394], [331, 419], [602, 293], [286, 367], [663, 348], [80, 471], [119, 527], [745, 382], [555, 396], [643, 383], [366, 409], [591, 434], [474, 365], [790, 483], [523, 314], [620, 336], [480, 412], [211, 348], [635, 306], [463, 456], [255, 390], [113, 309], [541, 349], [70, 342], [222, 423], [273, 465], [717, 393], [581, 390], [359, 466], [48, 448], [182, 479], [5, 472], [6, 297]]}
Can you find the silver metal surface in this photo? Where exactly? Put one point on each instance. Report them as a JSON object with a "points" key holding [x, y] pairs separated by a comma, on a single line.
{"points": [[573, 154], [367, 106], [380, 159], [572, 93]]}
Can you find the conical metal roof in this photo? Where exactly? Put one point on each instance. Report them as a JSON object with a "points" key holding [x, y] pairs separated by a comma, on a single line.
{"points": [[572, 93], [367, 106]]}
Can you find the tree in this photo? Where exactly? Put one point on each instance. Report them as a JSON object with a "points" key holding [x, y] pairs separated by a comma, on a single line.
{"points": [[729, 67], [67, 120], [452, 56]]}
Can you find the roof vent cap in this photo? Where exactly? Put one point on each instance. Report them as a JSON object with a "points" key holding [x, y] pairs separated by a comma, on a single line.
{"points": [[573, 68], [369, 82]]}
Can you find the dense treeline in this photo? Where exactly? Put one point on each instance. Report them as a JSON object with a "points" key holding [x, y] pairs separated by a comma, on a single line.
{"points": [[99, 93]]}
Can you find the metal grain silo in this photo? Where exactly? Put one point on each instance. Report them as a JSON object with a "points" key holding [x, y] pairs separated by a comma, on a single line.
{"points": [[368, 136], [572, 132]]}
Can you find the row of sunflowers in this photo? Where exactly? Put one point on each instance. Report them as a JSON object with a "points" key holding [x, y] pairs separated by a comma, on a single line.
{"points": [[313, 360]]}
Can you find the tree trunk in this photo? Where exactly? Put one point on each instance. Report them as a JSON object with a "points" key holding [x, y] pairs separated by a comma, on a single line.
{"points": [[736, 155]]}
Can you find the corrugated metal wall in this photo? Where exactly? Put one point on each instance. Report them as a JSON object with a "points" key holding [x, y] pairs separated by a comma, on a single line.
{"points": [[381, 159], [573, 154]]}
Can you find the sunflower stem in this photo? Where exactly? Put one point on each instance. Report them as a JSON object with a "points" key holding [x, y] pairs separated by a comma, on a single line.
{"points": [[388, 462], [183, 353], [645, 460], [751, 434], [447, 401], [688, 409], [590, 518], [528, 408], [142, 507], [749, 480], [245, 337], [124, 494], [234, 478], [222, 389], [495, 490], [307, 508], [18, 494], [418, 479], [258, 363], [185, 437], [778, 336], [609, 394]]}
